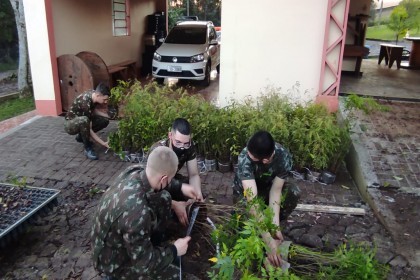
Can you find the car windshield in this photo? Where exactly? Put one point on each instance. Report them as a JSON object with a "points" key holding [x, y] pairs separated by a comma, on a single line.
{"points": [[195, 35]]}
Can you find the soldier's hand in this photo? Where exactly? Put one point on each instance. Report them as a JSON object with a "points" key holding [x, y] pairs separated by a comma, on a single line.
{"points": [[279, 236], [273, 253], [179, 208], [181, 245], [200, 196], [191, 192]]}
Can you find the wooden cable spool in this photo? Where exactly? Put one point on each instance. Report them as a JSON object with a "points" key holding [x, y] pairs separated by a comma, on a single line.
{"points": [[75, 77], [97, 67], [78, 73]]}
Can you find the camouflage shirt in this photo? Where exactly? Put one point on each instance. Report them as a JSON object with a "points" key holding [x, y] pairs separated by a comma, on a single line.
{"points": [[188, 155], [263, 174], [82, 106], [122, 227]]}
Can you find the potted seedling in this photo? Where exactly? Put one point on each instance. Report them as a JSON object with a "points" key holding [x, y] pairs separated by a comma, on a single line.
{"points": [[222, 128]]}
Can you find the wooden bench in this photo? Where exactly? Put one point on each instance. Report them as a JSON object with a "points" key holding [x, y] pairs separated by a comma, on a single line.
{"points": [[127, 68], [391, 53], [358, 52]]}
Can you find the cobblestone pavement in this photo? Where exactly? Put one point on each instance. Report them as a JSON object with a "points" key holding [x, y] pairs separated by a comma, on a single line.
{"points": [[389, 144], [383, 82], [56, 245]]}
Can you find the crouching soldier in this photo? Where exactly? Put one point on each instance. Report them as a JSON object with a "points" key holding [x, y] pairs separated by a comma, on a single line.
{"points": [[85, 119], [131, 220], [263, 166]]}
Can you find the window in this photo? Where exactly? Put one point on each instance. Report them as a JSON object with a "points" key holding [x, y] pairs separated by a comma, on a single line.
{"points": [[120, 17], [212, 35], [187, 35]]}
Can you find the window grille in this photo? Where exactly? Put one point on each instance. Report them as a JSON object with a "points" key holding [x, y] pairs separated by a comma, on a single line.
{"points": [[120, 17]]}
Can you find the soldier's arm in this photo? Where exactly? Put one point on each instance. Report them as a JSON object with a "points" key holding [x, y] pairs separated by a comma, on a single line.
{"points": [[137, 238], [101, 112], [97, 138], [194, 177], [275, 199]]}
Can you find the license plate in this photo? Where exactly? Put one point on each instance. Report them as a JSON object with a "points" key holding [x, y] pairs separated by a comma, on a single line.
{"points": [[174, 69]]}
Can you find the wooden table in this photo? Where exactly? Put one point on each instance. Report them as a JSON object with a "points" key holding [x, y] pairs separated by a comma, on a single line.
{"points": [[391, 53], [414, 60]]}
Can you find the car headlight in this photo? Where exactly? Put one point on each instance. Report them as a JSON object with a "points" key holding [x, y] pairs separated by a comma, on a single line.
{"points": [[157, 56], [197, 58]]}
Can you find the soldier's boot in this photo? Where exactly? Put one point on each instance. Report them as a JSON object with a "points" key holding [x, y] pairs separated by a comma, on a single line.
{"points": [[90, 153]]}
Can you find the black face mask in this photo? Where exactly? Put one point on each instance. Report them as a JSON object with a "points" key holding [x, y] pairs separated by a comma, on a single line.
{"points": [[178, 151], [159, 190]]}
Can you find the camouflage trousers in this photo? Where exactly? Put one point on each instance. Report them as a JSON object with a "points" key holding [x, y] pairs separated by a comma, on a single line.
{"points": [[81, 125], [290, 197], [160, 203]]}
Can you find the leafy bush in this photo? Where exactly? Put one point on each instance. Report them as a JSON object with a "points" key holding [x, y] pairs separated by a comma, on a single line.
{"points": [[316, 139], [148, 112], [313, 136], [366, 104]]}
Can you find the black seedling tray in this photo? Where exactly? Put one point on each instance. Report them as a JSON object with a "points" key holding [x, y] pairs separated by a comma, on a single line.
{"points": [[18, 205]]}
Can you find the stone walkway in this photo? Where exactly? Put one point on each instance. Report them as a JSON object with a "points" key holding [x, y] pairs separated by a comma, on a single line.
{"points": [[57, 244], [383, 82], [386, 165]]}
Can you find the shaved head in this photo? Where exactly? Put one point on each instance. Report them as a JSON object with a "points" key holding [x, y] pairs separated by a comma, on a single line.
{"points": [[162, 161]]}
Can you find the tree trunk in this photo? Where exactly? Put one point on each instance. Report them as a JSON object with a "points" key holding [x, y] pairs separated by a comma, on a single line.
{"points": [[23, 71]]}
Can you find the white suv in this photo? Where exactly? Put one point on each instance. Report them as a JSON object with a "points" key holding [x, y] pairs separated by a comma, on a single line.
{"points": [[190, 51]]}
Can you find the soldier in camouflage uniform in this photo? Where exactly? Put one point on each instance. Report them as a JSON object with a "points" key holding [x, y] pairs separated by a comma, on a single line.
{"points": [[84, 119], [130, 220], [179, 140], [262, 168]]}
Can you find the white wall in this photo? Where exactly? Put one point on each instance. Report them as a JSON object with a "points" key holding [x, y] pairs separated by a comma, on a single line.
{"points": [[275, 43], [81, 25], [39, 49]]}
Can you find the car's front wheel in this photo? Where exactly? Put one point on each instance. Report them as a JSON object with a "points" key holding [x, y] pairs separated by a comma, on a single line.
{"points": [[159, 81], [206, 81]]}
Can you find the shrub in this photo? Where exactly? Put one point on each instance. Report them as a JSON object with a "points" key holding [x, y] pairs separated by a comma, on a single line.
{"points": [[313, 136]]}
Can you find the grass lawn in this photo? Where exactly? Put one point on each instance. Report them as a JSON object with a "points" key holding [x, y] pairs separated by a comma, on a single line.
{"points": [[5, 66], [16, 106], [382, 32]]}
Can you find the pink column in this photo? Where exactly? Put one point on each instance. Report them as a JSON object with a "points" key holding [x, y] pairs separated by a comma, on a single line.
{"points": [[329, 96]]}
